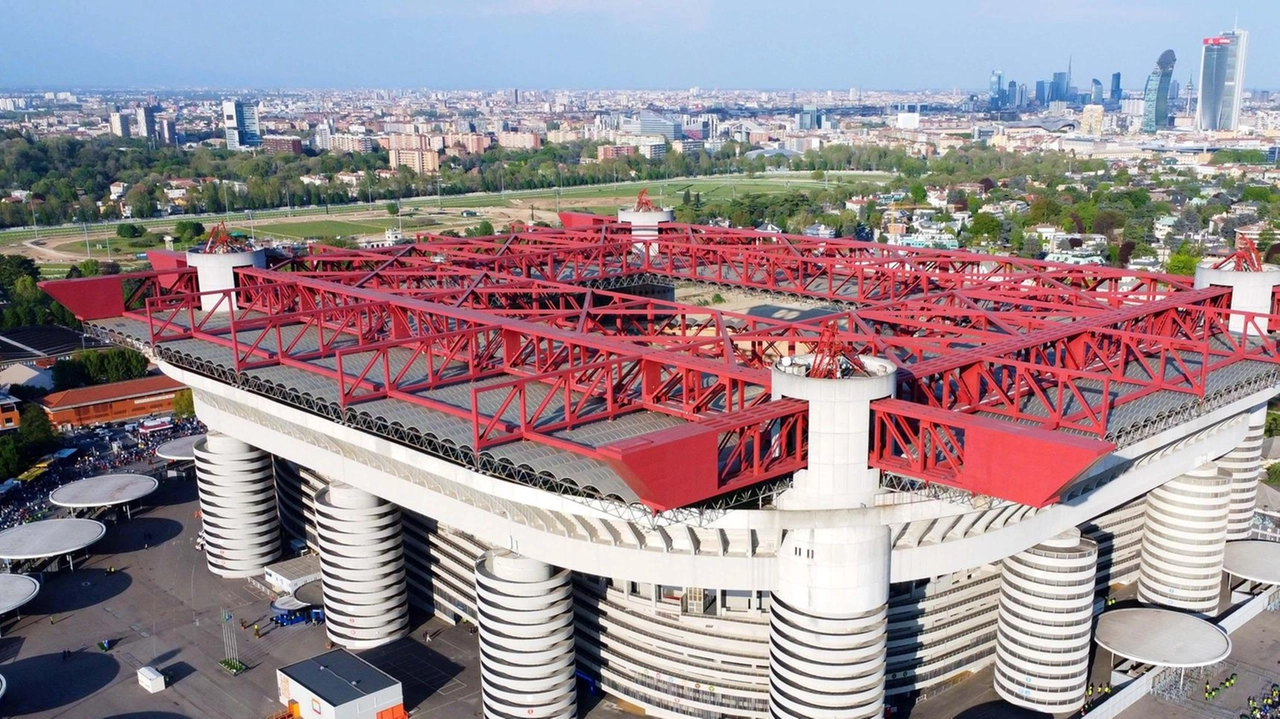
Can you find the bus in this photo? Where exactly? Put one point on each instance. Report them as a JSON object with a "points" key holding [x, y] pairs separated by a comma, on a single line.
{"points": [[156, 424]]}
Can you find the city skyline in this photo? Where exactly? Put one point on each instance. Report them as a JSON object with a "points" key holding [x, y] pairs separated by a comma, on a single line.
{"points": [[666, 44]]}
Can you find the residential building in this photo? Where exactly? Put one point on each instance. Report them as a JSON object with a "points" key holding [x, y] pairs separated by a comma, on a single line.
{"points": [[408, 141], [347, 142], [473, 143], [240, 122], [323, 139], [119, 123], [1155, 111], [145, 123], [690, 147], [1222, 63], [557, 137], [282, 143], [519, 140], [166, 131], [423, 162], [609, 152], [653, 150]]}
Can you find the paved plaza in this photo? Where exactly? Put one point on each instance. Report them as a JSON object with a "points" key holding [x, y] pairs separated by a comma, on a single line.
{"points": [[162, 607]]}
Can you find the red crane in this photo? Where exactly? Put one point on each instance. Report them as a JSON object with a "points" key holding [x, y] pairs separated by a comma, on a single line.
{"points": [[831, 354]]}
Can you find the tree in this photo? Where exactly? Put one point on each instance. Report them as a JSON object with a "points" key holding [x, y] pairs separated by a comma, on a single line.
{"points": [[89, 268], [35, 433], [129, 231], [1182, 264], [919, 194], [10, 456], [340, 242], [985, 225], [1107, 222], [184, 404], [1266, 239], [393, 208]]}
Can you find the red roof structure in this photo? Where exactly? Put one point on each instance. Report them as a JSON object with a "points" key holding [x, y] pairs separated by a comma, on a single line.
{"points": [[112, 392], [1015, 376]]}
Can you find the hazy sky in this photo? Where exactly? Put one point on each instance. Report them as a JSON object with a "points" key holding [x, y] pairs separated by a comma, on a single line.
{"points": [[776, 44]]}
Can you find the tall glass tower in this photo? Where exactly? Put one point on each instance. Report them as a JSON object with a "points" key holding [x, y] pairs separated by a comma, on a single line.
{"points": [[1155, 113], [240, 120], [1222, 63]]}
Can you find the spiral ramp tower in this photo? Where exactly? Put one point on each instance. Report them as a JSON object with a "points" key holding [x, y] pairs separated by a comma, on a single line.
{"points": [[527, 659], [237, 506], [1044, 627], [1244, 463], [1184, 537], [362, 567]]}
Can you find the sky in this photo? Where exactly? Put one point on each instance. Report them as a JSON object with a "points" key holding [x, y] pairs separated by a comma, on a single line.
{"points": [[614, 44]]}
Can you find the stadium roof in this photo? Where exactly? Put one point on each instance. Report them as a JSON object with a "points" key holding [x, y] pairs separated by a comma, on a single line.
{"points": [[542, 356]]}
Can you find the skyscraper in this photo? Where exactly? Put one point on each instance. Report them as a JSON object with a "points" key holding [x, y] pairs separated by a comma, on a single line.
{"points": [[1011, 94], [119, 123], [1155, 115], [1042, 95], [240, 119], [1096, 97], [1058, 90], [145, 122], [996, 89], [1222, 62], [1116, 92]]}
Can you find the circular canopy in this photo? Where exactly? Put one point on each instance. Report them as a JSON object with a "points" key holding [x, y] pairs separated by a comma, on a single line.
{"points": [[1255, 560], [16, 590], [49, 538], [1162, 637], [104, 491], [311, 593], [181, 449]]}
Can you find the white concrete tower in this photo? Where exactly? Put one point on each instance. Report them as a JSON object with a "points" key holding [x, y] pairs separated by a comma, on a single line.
{"points": [[1045, 622], [1184, 535], [828, 611], [1244, 464], [215, 270], [362, 564], [237, 506], [1250, 291], [527, 659]]}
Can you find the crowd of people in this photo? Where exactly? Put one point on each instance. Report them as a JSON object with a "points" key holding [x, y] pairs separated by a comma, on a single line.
{"points": [[1265, 707], [30, 502]]}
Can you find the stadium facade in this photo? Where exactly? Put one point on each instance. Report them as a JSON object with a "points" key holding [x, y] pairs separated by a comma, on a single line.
{"points": [[901, 466]]}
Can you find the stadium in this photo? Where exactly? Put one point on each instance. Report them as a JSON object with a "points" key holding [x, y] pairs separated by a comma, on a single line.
{"points": [[896, 467]]}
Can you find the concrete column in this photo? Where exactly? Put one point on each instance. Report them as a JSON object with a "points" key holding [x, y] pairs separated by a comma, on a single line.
{"points": [[829, 607], [362, 564], [1184, 536], [527, 659], [1250, 292], [1244, 464], [237, 506], [1045, 624]]}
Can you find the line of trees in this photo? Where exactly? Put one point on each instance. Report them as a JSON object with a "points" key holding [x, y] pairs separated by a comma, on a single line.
{"points": [[92, 367]]}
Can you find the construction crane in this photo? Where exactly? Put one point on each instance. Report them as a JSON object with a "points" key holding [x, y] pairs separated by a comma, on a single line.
{"points": [[832, 358], [221, 242], [643, 203]]}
